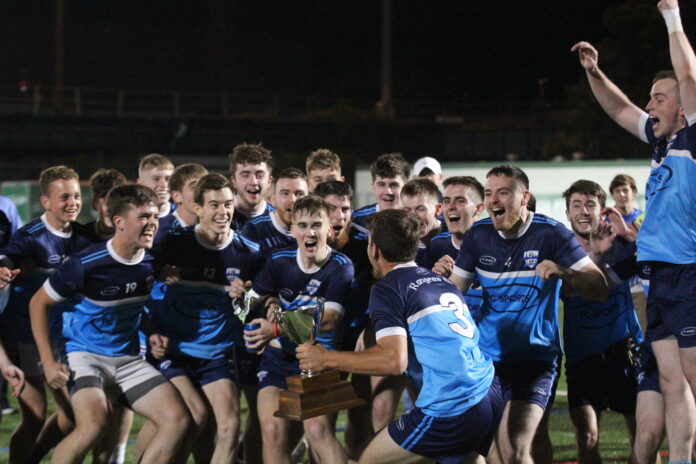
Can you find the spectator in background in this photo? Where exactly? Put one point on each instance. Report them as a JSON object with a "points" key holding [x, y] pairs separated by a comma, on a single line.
{"points": [[10, 210], [428, 167], [623, 190]]}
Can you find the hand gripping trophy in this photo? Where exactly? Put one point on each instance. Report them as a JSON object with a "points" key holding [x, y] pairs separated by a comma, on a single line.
{"points": [[311, 393]]}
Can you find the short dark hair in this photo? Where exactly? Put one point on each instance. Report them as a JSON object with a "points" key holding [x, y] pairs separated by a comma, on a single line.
{"points": [[588, 188], [395, 232], [290, 173], [250, 153], [466, 181], [103, 180], [210, 182], [136, 195], [665, 74], [334, 187], [622, 179], [421, 186], [310, 204], [54, 173], [511, 171], [184, 173], [390, 165]]}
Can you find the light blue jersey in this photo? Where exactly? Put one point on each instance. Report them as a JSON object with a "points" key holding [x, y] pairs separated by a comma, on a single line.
{"points": [[415, 302], [668, 232], [112, 293], [519, 314]]}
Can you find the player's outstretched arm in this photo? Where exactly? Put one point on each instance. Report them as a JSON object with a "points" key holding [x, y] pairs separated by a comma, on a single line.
{"points": [[56, 373], [388, 357], [614, 102], [682, 54], [589, 281]]}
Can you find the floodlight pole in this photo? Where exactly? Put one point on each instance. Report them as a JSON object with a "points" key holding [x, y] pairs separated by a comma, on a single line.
{"points": [[387, 104]]}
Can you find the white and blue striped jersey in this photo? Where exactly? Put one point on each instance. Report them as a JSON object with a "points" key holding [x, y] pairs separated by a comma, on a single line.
{"points": [[268, 231], [112, 292], [519, 314], [39, 249], [284, 275], [197, 313], [591, 327], [668, 232], [427, 308]]}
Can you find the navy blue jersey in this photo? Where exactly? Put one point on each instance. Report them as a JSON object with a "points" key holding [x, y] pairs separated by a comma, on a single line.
{"points": [[361, 215], [356, 318], [197, 313], [171, 221], [668, 232], [239, 220], [269, 233], [112, 292], [428, 309], [39, 250], [519, 313], [443, 244], [591, 327], [5, 229], [92, 233], [285, 276]]}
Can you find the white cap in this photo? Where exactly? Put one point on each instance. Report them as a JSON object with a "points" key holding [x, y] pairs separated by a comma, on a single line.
{"points": [[427, 162]]}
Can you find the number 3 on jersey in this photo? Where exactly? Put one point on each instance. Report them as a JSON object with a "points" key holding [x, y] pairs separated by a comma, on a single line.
{"points": [[465, 327]]}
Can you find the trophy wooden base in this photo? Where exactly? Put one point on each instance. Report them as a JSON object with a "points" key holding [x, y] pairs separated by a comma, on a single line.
{"points": [[320, 394]]}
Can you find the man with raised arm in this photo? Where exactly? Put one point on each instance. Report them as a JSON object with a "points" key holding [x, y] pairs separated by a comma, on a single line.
{"points": [[667, 238], [520, 259]]}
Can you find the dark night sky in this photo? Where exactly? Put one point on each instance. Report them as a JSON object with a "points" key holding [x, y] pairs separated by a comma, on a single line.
{"points": [[489, 51]]}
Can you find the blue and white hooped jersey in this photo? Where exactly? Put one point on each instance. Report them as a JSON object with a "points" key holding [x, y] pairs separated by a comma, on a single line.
{"points": [[591, 327], [239, 220], [197, 313], [519, 314], [112, 293], [285, 276], [361, 215], [269, 233], [668, 232], [414, 302], [44, 249], [443, 244]]}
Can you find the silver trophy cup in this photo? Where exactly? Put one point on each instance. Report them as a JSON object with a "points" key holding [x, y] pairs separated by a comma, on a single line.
{"points": [[302, 324]]}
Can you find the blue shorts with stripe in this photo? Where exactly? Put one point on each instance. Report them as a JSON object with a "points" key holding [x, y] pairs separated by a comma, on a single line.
{"points": [[671, 307], [449, 440]]}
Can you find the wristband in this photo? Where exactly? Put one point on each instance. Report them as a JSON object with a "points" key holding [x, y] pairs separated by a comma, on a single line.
{"points": [[672, 20], [275, 330]]}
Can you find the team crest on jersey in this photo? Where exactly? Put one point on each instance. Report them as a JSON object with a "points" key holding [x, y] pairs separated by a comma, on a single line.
{"points": [[313, 286], [530, 258], [232, 273]]}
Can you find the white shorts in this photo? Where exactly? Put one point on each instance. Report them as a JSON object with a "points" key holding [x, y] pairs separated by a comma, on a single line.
{"points": [[121, 377]]}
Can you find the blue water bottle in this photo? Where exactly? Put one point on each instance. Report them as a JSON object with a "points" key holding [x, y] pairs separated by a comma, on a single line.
{"points": [[251, 327]]}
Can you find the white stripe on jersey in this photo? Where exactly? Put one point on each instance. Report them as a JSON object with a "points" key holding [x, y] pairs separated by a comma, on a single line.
{"points": [[462, 273], [391, 331], [505, 275], [582, 263], [108, 304], [55, 296], [427, 311], [641, 126]]}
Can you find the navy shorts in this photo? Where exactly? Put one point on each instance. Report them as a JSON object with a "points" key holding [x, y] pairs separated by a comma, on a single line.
{"points": [[648, 374], [603, 381], [275, 365], [671, 304], [246, 365], [528, 381], [202, 371], [449, 440]]}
